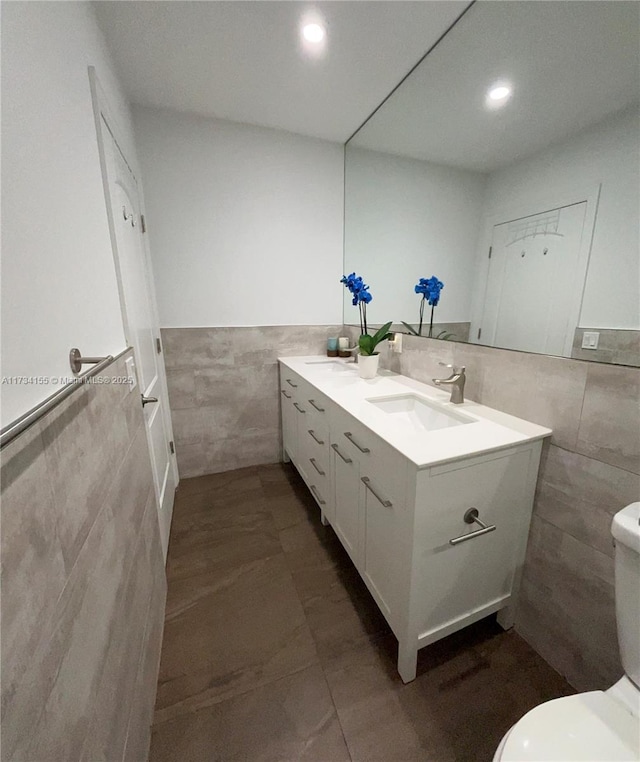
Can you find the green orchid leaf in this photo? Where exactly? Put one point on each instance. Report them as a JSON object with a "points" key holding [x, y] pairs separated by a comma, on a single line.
{"points": [[366, 344], [382, 333], [410, 329]]}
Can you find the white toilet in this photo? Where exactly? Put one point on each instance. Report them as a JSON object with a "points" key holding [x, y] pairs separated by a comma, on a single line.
{"points": [[599, 726]]}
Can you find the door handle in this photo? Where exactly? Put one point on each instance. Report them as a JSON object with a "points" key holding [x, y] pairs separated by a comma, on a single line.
{"points": [[147, 400], [286, 394], [298, 408], [317, 407], [290, 382], [367, 483], [313, 436], [316, 466], [349, 436], [317, 495], [344, 457]]}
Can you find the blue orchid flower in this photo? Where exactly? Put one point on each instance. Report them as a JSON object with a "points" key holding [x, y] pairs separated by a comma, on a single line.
{"points": [[358, 289], [430, 289], [360, 296]]}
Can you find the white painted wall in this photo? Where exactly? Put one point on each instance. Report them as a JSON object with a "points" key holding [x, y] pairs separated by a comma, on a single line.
{"points": [[245, 223], [59, 286], [608, 154], [407, 219]]}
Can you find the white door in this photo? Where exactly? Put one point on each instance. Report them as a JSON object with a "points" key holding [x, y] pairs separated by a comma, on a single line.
{"points": [[533, 279], [141, 325]]}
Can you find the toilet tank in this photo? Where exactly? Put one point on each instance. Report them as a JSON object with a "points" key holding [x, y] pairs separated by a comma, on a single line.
{"points": [[626, 532]]}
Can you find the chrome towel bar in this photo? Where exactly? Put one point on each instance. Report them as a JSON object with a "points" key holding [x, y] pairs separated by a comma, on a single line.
{"points": [[76, 360], [14, 429], [471, 517]]}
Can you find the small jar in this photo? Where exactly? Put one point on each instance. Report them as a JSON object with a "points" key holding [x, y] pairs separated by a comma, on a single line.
{"points": [[343, 347]]}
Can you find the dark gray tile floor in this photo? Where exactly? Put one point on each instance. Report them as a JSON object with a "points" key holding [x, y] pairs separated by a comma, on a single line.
{"points": [[274, 650]]}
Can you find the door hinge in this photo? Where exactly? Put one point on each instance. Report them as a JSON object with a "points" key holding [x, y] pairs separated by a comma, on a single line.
{"points": [[172, 449], [143, 223], [479, 332], [490, 247], [158, 346]]}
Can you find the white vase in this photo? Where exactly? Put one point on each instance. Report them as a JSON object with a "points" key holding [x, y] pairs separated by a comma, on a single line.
{"points": [[368, 365]]}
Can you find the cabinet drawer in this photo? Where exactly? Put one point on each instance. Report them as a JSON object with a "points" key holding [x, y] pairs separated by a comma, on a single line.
{"points": [[377, 459], [319, 452], [291, 381]]}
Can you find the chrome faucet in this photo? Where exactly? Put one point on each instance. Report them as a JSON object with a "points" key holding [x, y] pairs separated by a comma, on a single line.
{"points": [[455, 381]]}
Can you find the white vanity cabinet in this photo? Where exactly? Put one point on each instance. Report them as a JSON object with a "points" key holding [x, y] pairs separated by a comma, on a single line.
{"points": [[396, 515]]}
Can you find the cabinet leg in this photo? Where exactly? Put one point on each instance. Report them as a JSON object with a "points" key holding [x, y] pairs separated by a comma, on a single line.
{"points": [[285, 456], [407, 661], [323, 519], [506, 617]]}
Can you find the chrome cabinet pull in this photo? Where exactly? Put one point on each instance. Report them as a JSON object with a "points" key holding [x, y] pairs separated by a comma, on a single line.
{"points": [[288, 396], [316, 494], [317, 407], [344, 457], [349, 436], [316, 466], [367, 483], [313, 436], [471, 517], [148, 400], [290, 382], [298, 408]]}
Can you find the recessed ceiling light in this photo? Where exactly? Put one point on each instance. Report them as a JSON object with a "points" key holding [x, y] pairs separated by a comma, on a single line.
{"points": [[499, 92], [313, 32]]}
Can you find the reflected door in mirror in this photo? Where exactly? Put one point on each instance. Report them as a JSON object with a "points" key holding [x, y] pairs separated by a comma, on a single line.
{"points": [[534, 285]]}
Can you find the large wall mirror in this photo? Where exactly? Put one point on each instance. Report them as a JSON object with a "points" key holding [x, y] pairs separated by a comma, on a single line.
{"points": [[507, 165]]}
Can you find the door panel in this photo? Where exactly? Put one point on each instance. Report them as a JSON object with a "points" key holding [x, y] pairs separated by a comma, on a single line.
{"points": [[531, 275], [383, 552], [140, 323], [347, 493]]}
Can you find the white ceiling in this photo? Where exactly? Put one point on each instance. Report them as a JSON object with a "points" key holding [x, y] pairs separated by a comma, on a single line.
{"points": [[243, 60], [571, 64]]}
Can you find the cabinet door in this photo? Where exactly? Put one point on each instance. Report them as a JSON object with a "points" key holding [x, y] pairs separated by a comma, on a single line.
{"points": [[457, 579], [386, 537], [346, 472]]}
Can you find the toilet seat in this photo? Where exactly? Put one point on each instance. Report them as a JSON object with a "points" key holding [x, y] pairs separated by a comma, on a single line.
{"points": [[590, 727]]}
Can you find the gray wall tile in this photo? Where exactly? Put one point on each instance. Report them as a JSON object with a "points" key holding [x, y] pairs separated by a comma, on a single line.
{"points": [[76, 489], [580, 495], [223, 391], [567, 607], [33, 569], [610, 422], [181, 385], [620, 347]]}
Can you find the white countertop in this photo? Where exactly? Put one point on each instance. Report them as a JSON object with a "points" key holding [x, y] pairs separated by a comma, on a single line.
{"points": [[491, 430]]}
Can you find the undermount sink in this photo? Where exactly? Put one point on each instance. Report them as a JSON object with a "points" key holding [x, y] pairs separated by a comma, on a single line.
{"points": [[419, 414]]}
